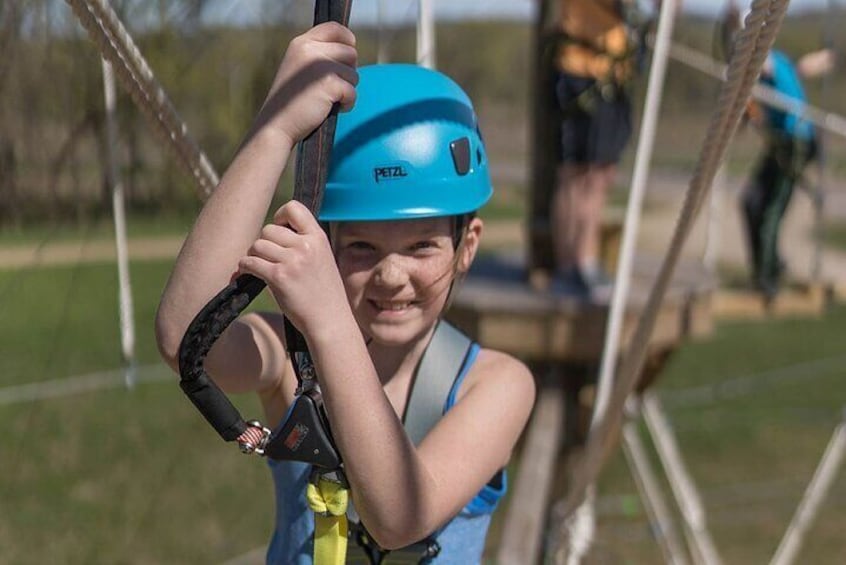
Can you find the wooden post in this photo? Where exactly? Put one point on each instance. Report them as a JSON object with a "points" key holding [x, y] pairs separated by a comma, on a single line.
{"points": [[544, 151], [526, 518]]}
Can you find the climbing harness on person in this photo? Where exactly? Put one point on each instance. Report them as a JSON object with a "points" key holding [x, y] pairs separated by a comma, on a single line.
{"points": [[609, 55]]}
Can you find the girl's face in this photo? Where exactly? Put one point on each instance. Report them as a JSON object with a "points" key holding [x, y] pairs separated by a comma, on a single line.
{"points": [[397, 274]]}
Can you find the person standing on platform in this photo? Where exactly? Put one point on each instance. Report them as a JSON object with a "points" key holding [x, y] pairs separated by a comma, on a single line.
{"points": [[595, 61]]}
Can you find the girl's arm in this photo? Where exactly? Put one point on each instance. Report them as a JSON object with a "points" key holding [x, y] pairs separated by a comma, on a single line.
{"points": [[401, 492], [317, 71]]}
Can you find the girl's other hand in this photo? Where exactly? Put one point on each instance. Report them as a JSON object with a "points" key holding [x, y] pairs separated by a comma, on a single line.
{"points": [[294, 257], [317, 71]]}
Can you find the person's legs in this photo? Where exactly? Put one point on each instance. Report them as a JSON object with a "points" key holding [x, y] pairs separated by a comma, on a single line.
{"points": [[752, 207], [785, 167], [578, 203], [600, 178], [569, 206]]}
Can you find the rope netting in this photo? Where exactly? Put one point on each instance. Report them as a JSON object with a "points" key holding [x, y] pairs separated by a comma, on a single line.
{"points": [[116, 46], [753, 45]]}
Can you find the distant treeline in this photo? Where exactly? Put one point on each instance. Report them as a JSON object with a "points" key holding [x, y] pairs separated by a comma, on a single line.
{"points": [[52, 118]]}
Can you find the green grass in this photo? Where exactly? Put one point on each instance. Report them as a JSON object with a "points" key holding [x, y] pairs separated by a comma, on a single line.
{"points": [[137, 476], [137, 225], [751, 454]]}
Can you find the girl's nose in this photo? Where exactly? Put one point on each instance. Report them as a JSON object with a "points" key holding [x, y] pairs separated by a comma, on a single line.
{"points": [[390, 272]]}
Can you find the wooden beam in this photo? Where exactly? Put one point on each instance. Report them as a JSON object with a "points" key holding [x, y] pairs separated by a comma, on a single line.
{"points": [[807, 301], [525, 519]]}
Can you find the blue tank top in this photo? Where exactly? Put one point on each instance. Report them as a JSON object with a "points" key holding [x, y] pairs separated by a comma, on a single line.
{"points": [[785, 80], [461, 540]]}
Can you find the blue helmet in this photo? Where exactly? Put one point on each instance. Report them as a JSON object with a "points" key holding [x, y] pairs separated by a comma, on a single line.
{"points": [[409, 148]]}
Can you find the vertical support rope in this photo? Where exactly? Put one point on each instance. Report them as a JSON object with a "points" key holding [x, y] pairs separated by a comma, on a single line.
{"points": [[622, 282], [425, 34], [653, 498], [117, 47], [753, 46], [127, 317], [813, 498], [681, 483]]}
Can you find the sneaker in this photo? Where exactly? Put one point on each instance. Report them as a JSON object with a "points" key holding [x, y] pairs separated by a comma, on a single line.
{"points": [[599, 283], [571, 283], [592, 285]]}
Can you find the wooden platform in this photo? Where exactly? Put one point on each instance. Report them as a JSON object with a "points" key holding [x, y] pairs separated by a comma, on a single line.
{"points": [[799, 301], [497, 305]]}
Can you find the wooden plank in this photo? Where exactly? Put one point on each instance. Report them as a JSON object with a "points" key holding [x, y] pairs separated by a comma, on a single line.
{"points": [[809, 301], [525, 518], [499, 308]]}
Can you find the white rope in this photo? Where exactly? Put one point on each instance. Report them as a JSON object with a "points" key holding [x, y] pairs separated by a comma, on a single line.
{"points": [[751, 384], [753, 45], [125, 308], [425, 34], [681, 483], [829, 121], [117, 47], [61, 388], [572, 544], [655, 504], [813, 499]]}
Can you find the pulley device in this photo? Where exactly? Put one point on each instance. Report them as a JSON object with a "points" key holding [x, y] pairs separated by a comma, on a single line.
{"points": [[303, 434]]}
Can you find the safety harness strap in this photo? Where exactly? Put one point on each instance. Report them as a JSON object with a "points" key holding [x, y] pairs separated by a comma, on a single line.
{"points": [[435, 375], [328, 499]]}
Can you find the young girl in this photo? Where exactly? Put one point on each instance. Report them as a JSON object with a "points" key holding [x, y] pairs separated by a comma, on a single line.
{"points": [[408, 171]]}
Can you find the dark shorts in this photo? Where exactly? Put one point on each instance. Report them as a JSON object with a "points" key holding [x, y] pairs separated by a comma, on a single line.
{"points": [[595, 126]]}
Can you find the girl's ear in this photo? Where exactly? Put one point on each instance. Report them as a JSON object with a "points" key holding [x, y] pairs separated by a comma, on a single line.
{"points": [[470, 245]]}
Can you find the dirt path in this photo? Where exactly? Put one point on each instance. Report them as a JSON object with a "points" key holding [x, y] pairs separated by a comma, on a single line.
{"points": [[660, 211], [64, 253]]}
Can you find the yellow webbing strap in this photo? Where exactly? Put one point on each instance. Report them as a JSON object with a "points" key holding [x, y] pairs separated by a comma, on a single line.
{"points": [[328, 499]]}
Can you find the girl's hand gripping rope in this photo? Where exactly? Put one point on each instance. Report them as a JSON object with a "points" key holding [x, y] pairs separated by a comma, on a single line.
{"points": [[318, 71], [294, 257]]}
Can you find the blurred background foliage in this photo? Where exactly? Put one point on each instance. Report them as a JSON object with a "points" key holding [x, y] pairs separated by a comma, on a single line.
{"points": [[51, 118]]}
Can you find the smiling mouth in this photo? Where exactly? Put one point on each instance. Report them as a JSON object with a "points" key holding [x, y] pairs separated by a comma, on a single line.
{"points": [[390, 306]]}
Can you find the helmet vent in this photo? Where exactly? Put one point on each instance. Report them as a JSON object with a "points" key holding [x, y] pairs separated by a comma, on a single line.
{"points": [[478, 156], [460, 149]]}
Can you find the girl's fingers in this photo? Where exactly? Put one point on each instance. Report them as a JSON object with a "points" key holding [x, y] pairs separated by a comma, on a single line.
{"points": [[257, 266], [331, 32], [343, 54], [297, 217], [346, 93], [267, 249], [277, 234]]}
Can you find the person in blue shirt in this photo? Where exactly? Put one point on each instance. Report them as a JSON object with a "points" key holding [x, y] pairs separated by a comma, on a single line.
{"points": [[366, 284], [790, 143]]}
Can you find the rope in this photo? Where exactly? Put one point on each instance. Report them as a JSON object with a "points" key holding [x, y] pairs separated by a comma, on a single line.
{"points": [[752, 383], [753, 45], [69, 386], [579, 531], [117, 47], [828, 121]]}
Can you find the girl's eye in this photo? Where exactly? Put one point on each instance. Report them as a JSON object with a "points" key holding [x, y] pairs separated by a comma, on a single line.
{"points": [[423, 245], [360, 246]]}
